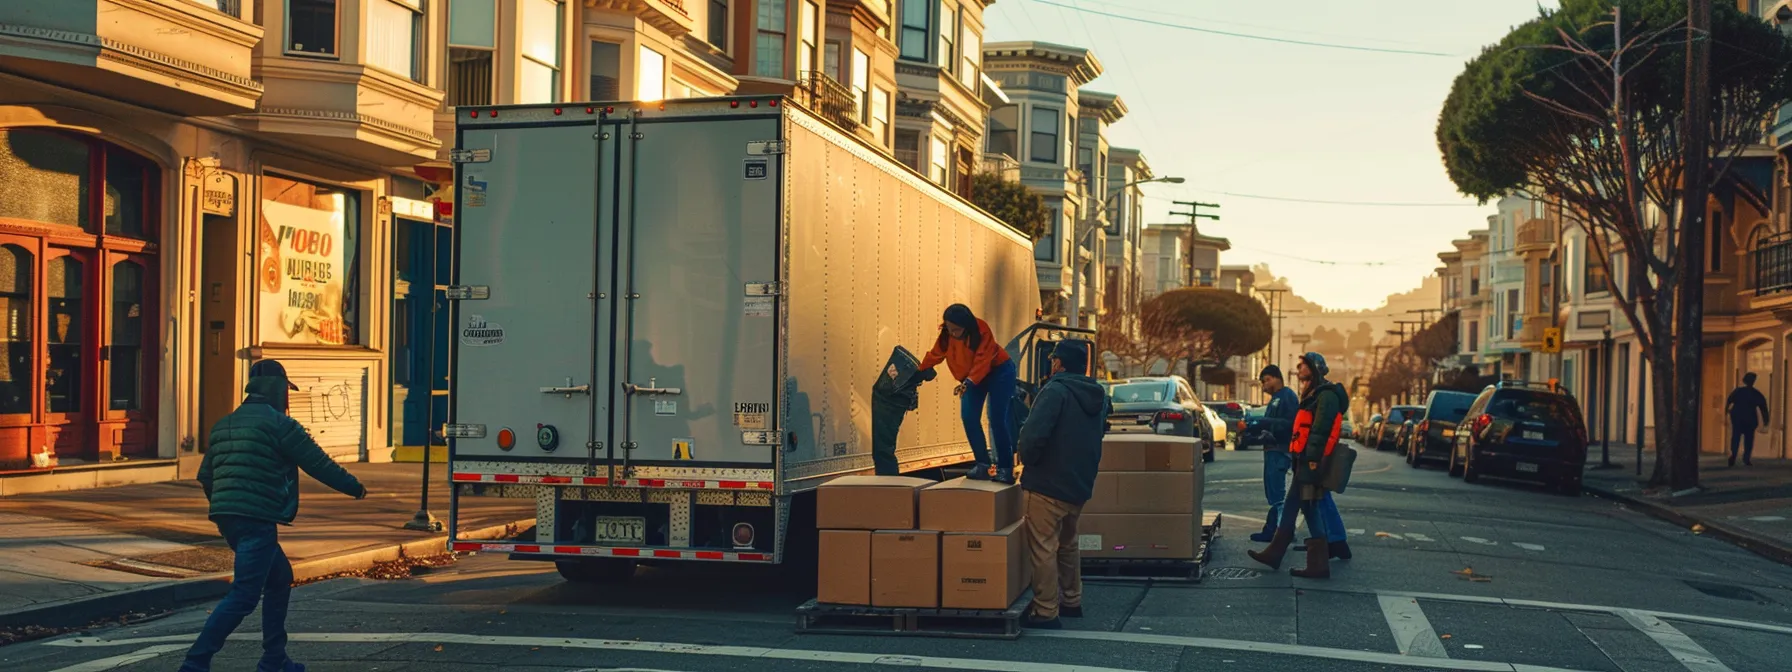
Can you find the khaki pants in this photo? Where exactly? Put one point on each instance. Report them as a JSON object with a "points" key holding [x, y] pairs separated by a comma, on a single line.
{"points": [[1057, 564]]}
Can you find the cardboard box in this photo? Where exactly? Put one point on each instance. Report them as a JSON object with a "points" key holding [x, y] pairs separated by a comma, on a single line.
{"points": [[983, 570], [1144, 492], [1173, 536], [905, 568], [845, 567], [1149, 452], [964, 505], [868, 503]]}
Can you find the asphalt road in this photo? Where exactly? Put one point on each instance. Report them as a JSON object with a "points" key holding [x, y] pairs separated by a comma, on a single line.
{"points": [[1562, 583]]}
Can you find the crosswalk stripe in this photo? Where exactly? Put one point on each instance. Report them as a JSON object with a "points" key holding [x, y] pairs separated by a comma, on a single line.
{"points": [[1690, 654], [1412, 631]]}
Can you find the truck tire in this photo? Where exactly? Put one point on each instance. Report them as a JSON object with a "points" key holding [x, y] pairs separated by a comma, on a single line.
{"points": [[596, 570]]}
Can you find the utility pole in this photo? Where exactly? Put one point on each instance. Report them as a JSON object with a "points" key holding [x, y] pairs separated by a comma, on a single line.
{"points": [[1194, 229], [1683, 470], [1275, 311]]}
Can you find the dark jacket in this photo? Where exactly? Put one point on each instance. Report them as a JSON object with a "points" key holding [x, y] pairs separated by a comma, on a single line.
{"points": [[1060, 443], [251, 467], [1748, 408], [1278, 419], [1316, 430]]}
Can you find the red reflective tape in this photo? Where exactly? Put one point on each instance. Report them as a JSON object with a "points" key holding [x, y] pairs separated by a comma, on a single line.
{"points": [[765, 485], [465, 477], [556, 479], [667, 554], [570, 550], [630, 552], [596, 480], [528, 549], [651, 483], [467, 546], [730, 485], [506, 478], [754, 557], [710, 555]]}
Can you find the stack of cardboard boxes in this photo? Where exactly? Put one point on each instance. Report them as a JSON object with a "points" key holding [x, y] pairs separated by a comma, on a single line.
{"points": [[1147, 501], [892, 541]]}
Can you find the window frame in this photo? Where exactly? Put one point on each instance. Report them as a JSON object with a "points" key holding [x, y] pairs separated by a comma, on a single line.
{"points": [[763, 29], [951, 18], [419, 38], [861, 84], [641, 74], [356, 225], [335, 53], [970, 58], [808, 28], [881, 113], [904, 28], [710, 29], [1033, 134], [557, 69]]}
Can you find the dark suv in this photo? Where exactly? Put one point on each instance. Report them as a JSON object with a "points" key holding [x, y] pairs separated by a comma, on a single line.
{"points": [[1437, 427], [1389, 436], [1530, 431]]}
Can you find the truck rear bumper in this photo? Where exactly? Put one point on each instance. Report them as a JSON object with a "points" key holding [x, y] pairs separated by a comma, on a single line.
{"points": [[561, 551]]}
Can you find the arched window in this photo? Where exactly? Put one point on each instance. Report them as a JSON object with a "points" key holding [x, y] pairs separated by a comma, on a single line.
{"points": [[127, 336], [18, 368], [62, 381]]}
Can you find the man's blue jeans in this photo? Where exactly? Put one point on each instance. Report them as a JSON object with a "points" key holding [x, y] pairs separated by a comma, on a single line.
{"points": [[997, 393], [1276, 465], [262, 575]]}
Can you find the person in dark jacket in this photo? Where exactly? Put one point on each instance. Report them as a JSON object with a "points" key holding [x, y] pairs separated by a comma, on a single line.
{"points": [[1315, 436], [1745, 406], [251, 477], [1278, 424], [986, 377], [1060, 450]]}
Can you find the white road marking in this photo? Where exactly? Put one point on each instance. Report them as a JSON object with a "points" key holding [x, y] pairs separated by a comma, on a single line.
{"points": [[1419, 536], [1349, 655], [1767, 519], [445, 638], [1688, 652], [1528, 547], [116, 662], [1412, 631], [1355, 531], [1595, 609], [1478, 540]]}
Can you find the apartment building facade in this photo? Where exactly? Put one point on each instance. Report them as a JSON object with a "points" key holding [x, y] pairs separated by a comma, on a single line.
{"points": [[1124, 270]]}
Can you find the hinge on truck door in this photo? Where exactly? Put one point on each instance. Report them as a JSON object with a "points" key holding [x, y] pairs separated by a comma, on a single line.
{"points": [[467, 292], [470, 155], [761, 289], [765, 147]]}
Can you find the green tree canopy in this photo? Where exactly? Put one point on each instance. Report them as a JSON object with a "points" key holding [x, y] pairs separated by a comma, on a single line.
{"points": [[1012, 203]]}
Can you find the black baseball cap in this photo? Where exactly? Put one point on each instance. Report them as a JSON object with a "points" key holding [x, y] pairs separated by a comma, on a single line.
{"points": [[271, 368]]}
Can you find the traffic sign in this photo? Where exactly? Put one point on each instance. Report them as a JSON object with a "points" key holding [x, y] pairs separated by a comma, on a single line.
{"points": [[1552, 339]]}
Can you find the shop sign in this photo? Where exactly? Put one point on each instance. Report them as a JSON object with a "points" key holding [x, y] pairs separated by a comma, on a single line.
{"points": [[301, 276], [414, 209], [218, 195]]}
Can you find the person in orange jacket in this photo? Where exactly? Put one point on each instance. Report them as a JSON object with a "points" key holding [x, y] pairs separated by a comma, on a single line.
{"points": [[986, 377]]}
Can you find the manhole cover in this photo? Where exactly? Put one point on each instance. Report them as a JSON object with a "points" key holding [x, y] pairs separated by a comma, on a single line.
{"points": [[1234, 573]]}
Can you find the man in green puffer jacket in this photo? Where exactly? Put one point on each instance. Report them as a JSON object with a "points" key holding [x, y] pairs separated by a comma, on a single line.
{"points": [[251, 477]]}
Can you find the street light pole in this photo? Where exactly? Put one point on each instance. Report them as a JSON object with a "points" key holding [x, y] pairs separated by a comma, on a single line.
{"points": [[1075, 314], [1605, 402]]}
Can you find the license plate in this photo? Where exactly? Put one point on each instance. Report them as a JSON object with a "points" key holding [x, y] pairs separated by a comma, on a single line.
{"points": [[621, 530], [1533, 436], [1449, 433], [1527, 468]]}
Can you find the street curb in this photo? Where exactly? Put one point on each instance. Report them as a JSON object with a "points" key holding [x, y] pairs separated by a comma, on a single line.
{"points": [[80, 611], [1777, 551]]}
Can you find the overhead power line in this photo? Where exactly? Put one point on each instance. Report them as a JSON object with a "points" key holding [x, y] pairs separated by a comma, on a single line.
{"points": [[1246, 36], [1374, 204]]}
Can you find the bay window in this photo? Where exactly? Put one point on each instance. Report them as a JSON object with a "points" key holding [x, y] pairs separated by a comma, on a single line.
{"points": [[311, 27], [970, 66], [880, 114], [768, 44], [948, 57], [806, 53], [395, 36], [861, 89], [606, 71], [1043, 129], [538, 67], [917, 19], [937, 150], [472, 41], [652, 83]]}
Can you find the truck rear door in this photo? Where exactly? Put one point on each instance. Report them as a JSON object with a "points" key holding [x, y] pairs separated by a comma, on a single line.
{"points": [[698, 263], [527, 260]]}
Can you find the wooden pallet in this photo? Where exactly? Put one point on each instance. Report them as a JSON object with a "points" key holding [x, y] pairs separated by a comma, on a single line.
{"points": [[1166, 570], [838, 619]]}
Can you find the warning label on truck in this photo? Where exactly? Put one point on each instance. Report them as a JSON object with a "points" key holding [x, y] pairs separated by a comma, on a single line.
{"points": [[481, 332], [758, 306], [751, 414]]}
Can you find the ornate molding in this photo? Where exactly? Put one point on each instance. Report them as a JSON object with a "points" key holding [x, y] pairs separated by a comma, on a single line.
{"points": [[423, 137], [112, 49], [676, 22]]}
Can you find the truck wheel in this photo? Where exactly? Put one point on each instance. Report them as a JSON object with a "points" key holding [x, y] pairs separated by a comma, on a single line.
{"points": [[606, 570]]}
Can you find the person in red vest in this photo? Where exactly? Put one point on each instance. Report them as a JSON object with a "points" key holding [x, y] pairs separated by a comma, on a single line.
{"points": [[1316, 430], [985, 376]]}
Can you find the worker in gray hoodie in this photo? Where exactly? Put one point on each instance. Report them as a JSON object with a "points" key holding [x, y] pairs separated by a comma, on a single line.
{"points": [[1060, 451]]}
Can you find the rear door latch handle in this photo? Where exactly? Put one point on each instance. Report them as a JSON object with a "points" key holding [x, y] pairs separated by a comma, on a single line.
{"points": [[652, 388], [568, 389]]}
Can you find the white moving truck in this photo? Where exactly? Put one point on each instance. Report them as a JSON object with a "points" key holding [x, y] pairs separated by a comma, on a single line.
{"points": [[668, 317]]}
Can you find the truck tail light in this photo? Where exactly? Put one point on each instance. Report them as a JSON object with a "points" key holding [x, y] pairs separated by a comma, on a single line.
{"points": [[743, 535], [506, 439], [1176, 416]]}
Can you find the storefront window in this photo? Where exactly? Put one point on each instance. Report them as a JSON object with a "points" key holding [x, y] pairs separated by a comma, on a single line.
{"points": [[307, 267], [16, 370], [44, 177], [127, 336], [126, 196], [62, 384]]}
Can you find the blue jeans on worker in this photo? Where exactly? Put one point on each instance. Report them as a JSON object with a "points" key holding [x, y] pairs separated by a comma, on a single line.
{"points": [[1319, 525], [1276, 465], [992, 397], [263, 575]]}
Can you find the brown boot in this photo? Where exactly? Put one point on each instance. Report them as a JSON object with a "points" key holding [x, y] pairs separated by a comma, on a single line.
{"points": [[1278, 547], [1318, 565]]}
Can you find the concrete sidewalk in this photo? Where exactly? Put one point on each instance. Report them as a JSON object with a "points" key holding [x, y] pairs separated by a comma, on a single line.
{"points": [[69, 558], [1748, 506]]}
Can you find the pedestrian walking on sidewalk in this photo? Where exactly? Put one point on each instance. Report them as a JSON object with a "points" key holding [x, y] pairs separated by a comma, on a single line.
{"points": [[251, 477], [986, 377], [1278, 425], [1315, 436], [1745, 406], [1060, 444]]}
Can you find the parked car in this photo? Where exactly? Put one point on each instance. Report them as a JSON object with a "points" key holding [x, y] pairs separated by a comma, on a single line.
{"points": [[1389, 435], [1232, 412], [1159, 405], [1436, 431], [1221, 429], [1369, 429], [1521, 430], [1348, 431]]}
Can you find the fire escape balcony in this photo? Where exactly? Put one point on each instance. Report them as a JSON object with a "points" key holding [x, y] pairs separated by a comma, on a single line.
{"points": [[667, 15], [179, 56]]}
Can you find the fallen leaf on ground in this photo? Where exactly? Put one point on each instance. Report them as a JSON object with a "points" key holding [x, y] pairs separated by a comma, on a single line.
{"points": [[1698, 528], [1468, 574], [1383, 534], [1444, 636], [438, 648]]}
